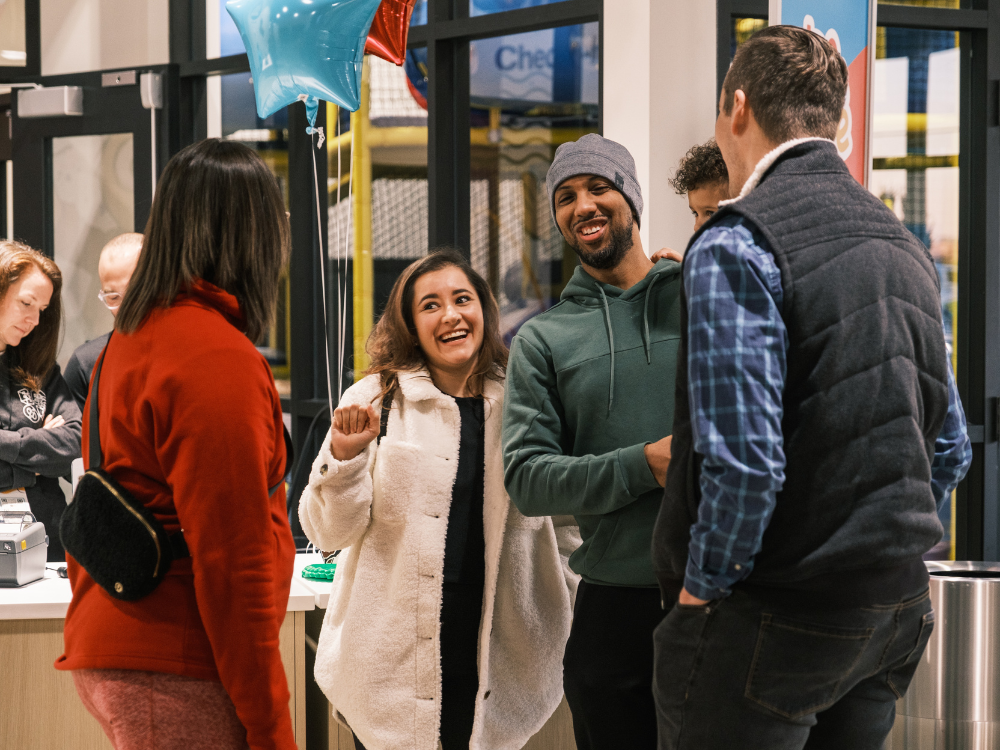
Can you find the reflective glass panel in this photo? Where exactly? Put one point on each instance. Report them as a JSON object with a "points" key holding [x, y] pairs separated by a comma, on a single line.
{"points": [[742, 29], [915, 147], [13, 47], [419, 17], [230, 41], [383, 228], [529, 93], [92, 202], [483, 7], [928, 3]]}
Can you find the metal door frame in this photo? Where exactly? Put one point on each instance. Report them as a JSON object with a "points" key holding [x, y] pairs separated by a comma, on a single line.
{"points": [[109, 108]]}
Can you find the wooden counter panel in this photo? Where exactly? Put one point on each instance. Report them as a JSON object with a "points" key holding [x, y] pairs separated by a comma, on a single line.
{"points": [[40, 706]]}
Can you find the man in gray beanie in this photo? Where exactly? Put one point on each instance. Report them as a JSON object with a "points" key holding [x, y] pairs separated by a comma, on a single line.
{"points": [[588, 405]]}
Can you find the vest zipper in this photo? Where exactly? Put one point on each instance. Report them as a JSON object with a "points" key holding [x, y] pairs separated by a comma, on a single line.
{"points": [[134, 512]]}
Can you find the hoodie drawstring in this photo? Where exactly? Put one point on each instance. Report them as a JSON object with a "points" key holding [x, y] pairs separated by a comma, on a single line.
{"points": [[611, 342], [645, 319], [611, 333]]}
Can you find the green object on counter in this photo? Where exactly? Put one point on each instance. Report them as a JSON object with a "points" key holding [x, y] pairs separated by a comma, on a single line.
{"points": [[320, 571]]}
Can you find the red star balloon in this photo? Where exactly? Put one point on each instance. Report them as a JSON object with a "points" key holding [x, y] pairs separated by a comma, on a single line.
{"points": [[387, 35]]}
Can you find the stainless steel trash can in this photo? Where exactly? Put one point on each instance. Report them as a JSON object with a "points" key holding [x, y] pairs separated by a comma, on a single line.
{"points": [[954, 700]]}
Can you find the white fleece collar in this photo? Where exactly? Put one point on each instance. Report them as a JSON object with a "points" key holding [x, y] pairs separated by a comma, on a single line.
{"points": [[418, 386], [765, 164]]}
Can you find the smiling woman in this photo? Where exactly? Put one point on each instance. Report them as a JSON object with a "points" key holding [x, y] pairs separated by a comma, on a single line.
{"points": [[451, 297], [448, 316], [438, 555]]}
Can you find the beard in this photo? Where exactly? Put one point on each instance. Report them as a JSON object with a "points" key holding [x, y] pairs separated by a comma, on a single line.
{"points": [[619, 243]]}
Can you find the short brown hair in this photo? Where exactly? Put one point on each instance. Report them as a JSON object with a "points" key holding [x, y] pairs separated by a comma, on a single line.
{"points": [[794, 80], [33, 358], [218, 215], [393, 346], [701, 166]]}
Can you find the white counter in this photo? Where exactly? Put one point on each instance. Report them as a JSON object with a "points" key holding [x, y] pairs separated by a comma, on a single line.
{"points": [[320, 589], [49, 598]]}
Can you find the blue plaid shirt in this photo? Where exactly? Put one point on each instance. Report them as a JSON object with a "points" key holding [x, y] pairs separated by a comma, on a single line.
{"points": [[737, 346]]}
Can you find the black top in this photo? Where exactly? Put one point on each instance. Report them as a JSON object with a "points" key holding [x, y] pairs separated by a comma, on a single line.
{"points": [[864, 398], [81, 366], [465, 544], [35, 458]]}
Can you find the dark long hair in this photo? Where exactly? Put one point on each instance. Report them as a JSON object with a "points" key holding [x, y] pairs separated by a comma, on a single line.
{"points": [[393, 347], [219, 216], [32, 359]]}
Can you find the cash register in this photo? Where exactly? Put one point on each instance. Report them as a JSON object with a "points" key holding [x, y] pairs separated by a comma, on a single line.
{"points": [[23, 548]]}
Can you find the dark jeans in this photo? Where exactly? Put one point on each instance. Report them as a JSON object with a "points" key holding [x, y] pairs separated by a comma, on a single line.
{"points": [[739, 673], [461, 611], [608, 667]]}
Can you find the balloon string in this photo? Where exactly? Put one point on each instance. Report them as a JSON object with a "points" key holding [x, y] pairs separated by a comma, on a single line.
{"points": [[322, 278], [347, 235], [341, 275]]}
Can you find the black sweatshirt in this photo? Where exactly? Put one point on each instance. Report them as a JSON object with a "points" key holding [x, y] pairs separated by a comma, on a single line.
{"points": [[81, 366], [35, 458]]}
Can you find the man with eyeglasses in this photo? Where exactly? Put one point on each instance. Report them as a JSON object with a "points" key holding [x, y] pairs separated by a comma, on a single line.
{"points": [[115, 267]]}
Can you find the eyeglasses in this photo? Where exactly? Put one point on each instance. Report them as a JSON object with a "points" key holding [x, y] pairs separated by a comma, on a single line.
{"points": [[112, 300]]}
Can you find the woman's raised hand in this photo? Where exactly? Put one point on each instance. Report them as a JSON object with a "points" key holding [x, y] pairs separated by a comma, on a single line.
{"points": [[354, 427]]}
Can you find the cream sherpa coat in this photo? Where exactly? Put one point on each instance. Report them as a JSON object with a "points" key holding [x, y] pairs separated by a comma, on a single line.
{"points": [[378, 659]]}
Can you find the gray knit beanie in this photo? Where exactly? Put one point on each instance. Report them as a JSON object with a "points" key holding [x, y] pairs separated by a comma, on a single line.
{"points": [[594, 154]]}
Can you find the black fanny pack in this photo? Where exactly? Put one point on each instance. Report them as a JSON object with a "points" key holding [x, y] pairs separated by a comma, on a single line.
{"points": [[113, 536]]}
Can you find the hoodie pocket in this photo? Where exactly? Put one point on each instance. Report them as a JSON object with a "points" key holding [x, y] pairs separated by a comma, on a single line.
{"points": [[600, 543]]}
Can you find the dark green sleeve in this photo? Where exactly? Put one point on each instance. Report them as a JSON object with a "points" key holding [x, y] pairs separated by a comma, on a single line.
{"points": [[540, 478]]}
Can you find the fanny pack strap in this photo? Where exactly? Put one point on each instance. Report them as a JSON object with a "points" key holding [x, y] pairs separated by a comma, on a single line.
{"points": [[384, 421], [95, 433]]}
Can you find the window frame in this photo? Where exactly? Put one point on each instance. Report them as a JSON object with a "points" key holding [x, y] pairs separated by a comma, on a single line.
{"points": [[33, 47]]}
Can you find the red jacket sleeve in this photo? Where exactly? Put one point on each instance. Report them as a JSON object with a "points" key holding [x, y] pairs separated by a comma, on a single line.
{"points": [[219, 442]]}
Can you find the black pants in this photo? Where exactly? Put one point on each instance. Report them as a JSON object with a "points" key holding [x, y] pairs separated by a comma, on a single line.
{"points": [[461, 611], [48, 508], [608, 667], [739, 673]]}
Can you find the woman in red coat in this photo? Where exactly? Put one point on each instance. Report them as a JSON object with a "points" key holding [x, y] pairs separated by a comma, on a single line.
{"points": [[190, 424]]}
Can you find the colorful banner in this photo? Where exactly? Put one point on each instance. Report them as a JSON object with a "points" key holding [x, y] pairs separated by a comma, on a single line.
{"points": [[849, 26]]}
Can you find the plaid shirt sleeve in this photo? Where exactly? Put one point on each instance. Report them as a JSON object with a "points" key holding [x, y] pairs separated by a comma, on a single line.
{"points": [[737, 345], [952, 449]]}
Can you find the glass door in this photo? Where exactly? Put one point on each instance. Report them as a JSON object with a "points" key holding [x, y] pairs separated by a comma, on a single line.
{"points": [[915, 165], [80, 180], [529, 93]]}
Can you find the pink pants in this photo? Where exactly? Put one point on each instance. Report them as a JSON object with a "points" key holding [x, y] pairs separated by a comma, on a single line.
{"points": [[154, 711]]}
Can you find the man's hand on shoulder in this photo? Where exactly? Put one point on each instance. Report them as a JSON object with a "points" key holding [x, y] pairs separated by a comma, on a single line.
{"points": [[658, 458], [667, 254]]}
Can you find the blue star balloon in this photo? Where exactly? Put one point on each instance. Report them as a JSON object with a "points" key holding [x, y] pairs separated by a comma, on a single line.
{"points": [[312, 47]]}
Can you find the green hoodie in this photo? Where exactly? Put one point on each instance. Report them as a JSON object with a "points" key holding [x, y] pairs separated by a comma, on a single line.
{"points": [[590, 382]]}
